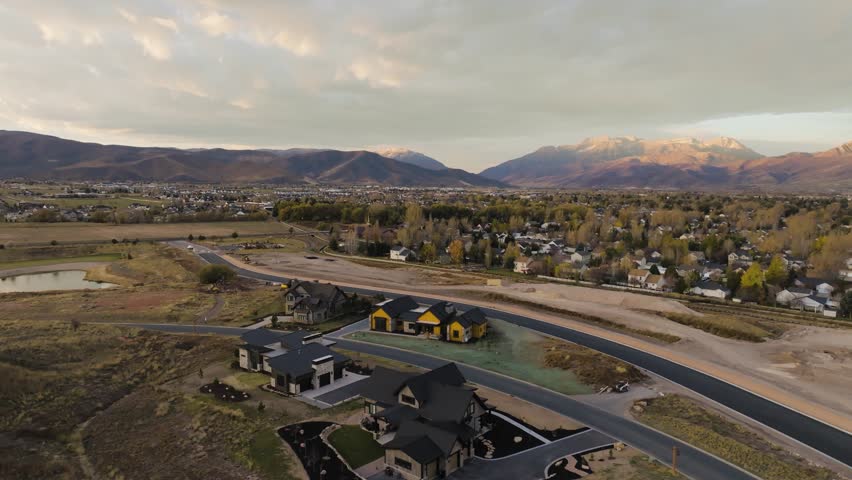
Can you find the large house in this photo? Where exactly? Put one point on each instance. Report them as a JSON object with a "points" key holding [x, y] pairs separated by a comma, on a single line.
{"points": [[295, 362], [523, 264], [313, 302], [440, 320], [425, 422]]}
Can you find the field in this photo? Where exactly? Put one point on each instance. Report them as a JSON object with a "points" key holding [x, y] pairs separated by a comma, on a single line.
{"points": [[722, 325], [43, 233], [56, 377], [684, 418], [507, 349]]}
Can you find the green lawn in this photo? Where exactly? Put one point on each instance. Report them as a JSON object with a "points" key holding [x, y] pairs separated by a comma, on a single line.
{"points": [[101, 257], [507, 349], [355, 445]]}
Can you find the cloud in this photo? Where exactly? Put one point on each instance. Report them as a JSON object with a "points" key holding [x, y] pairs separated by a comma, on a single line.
{"points": [[153, 46], [471, 83], [242, 104], [166, 23], [216, 24]]}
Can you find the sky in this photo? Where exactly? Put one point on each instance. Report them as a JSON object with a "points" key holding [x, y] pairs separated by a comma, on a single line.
{"points": [[471, 83]]}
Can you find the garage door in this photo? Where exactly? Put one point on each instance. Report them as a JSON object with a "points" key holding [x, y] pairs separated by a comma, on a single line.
{"points": [[381, 324], [324, 379]]}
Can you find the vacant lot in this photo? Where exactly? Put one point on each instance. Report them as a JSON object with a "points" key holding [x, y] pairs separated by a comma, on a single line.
{"points": [[40, 233], [686, 419], [54, 378], [507, 349]]}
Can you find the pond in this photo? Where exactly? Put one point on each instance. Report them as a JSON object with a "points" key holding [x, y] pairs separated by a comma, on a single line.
{"points": [[40, 282]]}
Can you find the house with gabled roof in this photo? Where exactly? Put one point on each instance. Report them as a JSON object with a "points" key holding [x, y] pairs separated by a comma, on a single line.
{"points": [[440, 320], [295, 361], [313, 302], [426, 422]]}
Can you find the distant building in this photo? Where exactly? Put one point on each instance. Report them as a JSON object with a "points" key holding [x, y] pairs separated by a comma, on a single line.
{"points": [[313, 302], [401, 253], [522, 265], [709, 288]]}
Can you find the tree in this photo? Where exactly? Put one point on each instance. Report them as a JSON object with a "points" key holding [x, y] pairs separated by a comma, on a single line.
{"points": [[190, 237], [53, 242], [456, 250], [776, 274], [235, 235], [655, 271], [428, 253], [733, 278], [216, 274], [846, 305], [751, 285]]}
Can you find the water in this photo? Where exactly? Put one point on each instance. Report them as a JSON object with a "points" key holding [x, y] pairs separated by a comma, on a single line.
{"points": [[40, 282]]}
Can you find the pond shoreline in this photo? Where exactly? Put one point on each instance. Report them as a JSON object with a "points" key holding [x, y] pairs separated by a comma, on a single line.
{"points": [[53, 267], [57, 280]]}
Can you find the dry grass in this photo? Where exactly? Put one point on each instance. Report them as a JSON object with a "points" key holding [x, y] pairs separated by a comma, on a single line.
{"points": [[721, 325], [54, 378], [590, 366], [592, 319], [686, 419], [76, 232]]}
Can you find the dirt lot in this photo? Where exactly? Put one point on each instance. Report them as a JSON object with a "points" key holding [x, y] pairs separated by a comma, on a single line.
{"points": [[807, 366], [24, 233]]}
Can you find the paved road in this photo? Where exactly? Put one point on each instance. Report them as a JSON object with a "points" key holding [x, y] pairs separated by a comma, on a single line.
{"points": [[822, 437]]}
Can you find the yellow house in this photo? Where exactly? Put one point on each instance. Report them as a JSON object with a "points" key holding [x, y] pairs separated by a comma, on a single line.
{"points": [[387, 316], [470, 325], [433, 320]]}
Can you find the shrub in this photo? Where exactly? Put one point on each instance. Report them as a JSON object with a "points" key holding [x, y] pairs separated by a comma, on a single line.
{"points": [[216, 273], [190, 237], [235, 235], [114, 241], [53, 242]]}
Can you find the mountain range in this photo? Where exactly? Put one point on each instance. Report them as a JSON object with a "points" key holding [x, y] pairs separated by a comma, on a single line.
{"points": [[684, 163], [598, 162], [35, 156]]}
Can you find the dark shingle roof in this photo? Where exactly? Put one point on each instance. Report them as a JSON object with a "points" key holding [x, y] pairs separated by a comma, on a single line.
{"points": [[423, 442], [447, 403], [324, 291], [298, 362], [421, 385], [397, 414], [441, 311], [474, 316], [398, 305], [383, 385]]}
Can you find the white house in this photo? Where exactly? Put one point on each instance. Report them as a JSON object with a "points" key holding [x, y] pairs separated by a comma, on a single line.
{"points": [[822, 287], [401, 253], [656, 282], [637, 277], [522, 264], [788, 295], [811, 303], [709, 288]]}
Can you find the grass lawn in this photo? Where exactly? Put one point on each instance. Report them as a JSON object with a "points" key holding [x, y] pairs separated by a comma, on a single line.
{"points": [[507, 349], [689, 421], [247, 380], [355, 445], [101, 257]]}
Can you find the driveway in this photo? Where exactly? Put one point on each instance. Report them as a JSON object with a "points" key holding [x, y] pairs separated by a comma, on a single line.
{"points": [[532, 463]]}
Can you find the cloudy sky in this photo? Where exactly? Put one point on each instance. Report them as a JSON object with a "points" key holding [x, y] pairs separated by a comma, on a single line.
{"points": [[472, 83]]}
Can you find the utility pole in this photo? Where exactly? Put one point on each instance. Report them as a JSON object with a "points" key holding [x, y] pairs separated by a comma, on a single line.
{"points": [[675, 453]]}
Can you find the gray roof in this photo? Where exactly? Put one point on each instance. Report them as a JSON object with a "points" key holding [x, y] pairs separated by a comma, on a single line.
{"points": [[299, 361], [474, 316], [398, 305], [383, 385], [423, 442]]}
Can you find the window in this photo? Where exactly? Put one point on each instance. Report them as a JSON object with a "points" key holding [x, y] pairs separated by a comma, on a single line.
{"points": [[455, 334], [408, 399], [402, 463]]}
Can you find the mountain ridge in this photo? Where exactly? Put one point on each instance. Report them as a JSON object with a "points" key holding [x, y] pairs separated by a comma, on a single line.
{"points": [[45, 157], [410, 156], [632, 162]]}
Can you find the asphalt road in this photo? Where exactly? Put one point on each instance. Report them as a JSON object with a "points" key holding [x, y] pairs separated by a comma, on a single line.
{"points": [[822, 437]]}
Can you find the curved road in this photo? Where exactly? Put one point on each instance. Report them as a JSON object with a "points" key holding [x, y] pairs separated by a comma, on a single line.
{"points": [[822, 437]]}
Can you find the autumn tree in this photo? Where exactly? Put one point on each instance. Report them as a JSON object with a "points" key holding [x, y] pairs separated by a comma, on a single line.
{"points": [[456, 250], [776, 273], [428, 253], [751, 284]]}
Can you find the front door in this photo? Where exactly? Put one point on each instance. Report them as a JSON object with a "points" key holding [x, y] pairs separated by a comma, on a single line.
{"points": [[324, 379]]}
